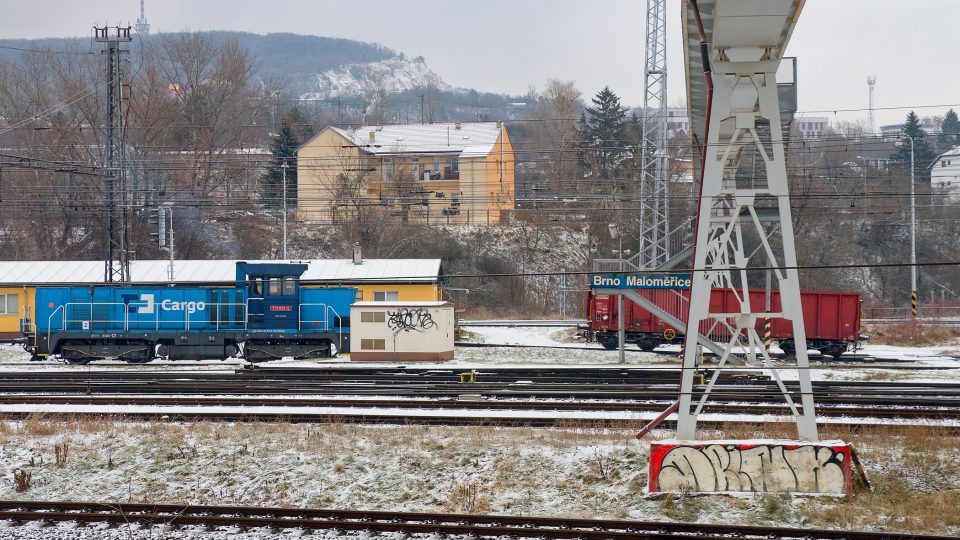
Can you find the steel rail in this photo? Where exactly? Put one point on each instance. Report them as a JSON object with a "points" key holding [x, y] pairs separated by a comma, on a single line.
{"points": [[296, 406], [172, 515]]}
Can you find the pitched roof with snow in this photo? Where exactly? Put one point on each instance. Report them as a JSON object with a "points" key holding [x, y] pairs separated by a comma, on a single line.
{"points": [[955, 151], [220, 271], [439, 138]]}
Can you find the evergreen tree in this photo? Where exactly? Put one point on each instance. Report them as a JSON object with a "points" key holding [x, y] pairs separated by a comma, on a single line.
{"points": [[949, 131], [284, 149], [300, 122], [605, 132], [924, 153]]}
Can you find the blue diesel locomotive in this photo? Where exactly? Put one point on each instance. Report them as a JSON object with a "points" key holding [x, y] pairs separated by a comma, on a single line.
{"points": [[264, 316]]}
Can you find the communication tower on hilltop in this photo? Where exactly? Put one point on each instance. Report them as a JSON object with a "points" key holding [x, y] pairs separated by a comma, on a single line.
{"points": [[871, 119], [142, 27]]}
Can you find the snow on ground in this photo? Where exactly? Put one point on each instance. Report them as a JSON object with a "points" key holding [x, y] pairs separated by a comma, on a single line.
{"points": [[69, 531], [577, 472], [525, 335]]}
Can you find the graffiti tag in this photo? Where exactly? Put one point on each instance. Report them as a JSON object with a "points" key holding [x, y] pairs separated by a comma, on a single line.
{"points": [[410, 320], [760, 468]]}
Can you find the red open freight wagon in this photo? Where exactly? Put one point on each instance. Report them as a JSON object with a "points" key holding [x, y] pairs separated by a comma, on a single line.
{"points": [[832, 319]]}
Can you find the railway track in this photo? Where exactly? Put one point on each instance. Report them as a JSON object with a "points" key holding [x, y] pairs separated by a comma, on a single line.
{"points": [[847, 358], [507, 396], [480, 405], [536, 383], [378, 522]]}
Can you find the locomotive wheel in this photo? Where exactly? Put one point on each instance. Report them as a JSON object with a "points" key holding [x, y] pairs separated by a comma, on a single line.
{"points": [[78, 361]]}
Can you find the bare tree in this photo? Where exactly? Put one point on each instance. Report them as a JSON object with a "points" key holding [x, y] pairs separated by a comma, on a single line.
{"points": [[556, 137]]}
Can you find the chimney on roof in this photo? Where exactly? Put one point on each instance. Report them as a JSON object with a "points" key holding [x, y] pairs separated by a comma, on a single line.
{"points": [[373, 136], [357, 255], [499, 124], [456, 125]]}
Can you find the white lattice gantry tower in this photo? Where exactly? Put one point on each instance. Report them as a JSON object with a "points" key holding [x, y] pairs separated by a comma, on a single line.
{"points": [[871, 115], [743, 231]]}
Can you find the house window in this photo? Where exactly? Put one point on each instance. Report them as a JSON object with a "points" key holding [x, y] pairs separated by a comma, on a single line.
{"points": [[373, 317], [9, 304], [436, 164], [455, 164], [388, 168], [373, 344], [386, 296], [415, 165]]}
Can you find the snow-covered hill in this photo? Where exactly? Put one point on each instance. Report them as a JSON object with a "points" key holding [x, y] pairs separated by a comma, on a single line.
{"points": [[366, 79]]}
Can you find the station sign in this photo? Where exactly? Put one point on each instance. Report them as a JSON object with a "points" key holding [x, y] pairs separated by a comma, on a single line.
{"points": [[641, 281]]}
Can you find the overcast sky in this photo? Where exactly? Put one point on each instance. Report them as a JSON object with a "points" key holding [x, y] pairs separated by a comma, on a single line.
{"points": [[509, 45]]}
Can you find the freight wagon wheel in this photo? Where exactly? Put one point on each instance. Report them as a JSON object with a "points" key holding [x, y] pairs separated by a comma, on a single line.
{"points": [[607, 342], [788, 348], [648, 344], [834, 350]]}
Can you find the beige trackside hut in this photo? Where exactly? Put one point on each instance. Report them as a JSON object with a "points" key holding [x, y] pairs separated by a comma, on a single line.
{"points": [[401, 331]]}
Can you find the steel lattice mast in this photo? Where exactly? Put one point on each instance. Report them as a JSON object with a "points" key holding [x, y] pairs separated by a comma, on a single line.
{"points": [[118, 200], [655, 177]]}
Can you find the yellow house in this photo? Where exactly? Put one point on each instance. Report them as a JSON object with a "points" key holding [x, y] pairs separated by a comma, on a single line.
{"points": [[449, 173]]}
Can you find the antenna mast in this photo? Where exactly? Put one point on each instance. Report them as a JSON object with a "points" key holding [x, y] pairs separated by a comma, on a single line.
{"points": [[143, 27]]}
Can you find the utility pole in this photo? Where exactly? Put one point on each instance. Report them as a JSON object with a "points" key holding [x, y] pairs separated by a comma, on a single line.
{"points": [[116, 238], [913, 226], [284, 167], [421, 108], [164, 234], [617, 235]]}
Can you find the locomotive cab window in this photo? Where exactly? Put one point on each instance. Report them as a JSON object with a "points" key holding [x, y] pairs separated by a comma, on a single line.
{"points": [[289, 286], [276, 287]]}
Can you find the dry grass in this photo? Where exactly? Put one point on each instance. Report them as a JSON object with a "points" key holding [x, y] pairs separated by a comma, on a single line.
{"points": [[580, 468], [21, 480], [909, 333], [468, 497], [893, 506]]}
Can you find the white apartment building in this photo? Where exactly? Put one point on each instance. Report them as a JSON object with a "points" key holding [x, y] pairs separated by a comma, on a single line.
{"points": [[812, 127], [945, 174]]}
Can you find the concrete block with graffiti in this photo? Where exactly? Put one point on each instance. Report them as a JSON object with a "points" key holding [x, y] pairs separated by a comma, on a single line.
{"points": [[760, 466]]}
